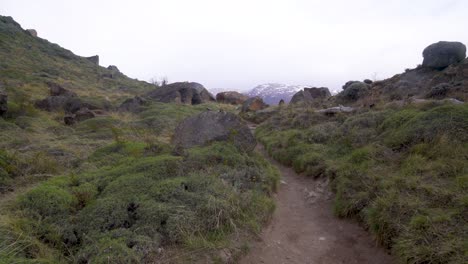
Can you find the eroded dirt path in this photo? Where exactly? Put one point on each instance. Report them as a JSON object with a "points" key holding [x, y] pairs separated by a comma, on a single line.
{"points": [[304, 230]]}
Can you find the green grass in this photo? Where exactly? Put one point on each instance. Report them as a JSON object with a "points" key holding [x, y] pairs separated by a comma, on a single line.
{"points": [[402, 173]]}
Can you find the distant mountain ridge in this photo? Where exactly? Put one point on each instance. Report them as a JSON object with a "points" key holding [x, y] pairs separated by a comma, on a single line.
{"points": [[272, 93]]}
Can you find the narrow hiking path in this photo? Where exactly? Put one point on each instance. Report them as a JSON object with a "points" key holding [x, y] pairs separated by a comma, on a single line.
{"points": [[304, 230]]}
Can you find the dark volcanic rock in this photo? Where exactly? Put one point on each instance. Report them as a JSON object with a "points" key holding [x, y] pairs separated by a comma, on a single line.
{"points": [[133, 105], [442, 54], [80, 115], [234, 98], [310, 95], [94, 59], [182, 93], [253, 104], [213, 126], [3, 103]]}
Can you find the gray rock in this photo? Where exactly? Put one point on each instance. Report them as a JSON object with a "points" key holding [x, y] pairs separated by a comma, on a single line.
{"points": [[253, 104], [368, 81], [113, 68], [32, 32], [309, 95], [234, 98], [212, 126], [444, 53], [336, 109], [93, 59], [182, 93], [134, 105]]}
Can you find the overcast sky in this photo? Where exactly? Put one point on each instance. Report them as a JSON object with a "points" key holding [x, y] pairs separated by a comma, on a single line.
{"points": [[239, 44]]}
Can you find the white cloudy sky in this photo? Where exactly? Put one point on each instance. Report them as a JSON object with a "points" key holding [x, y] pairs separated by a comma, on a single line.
{"points": [[238, 44]]}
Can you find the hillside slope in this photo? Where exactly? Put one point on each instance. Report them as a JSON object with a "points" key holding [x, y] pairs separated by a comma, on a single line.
{"points": [[111, 187]]}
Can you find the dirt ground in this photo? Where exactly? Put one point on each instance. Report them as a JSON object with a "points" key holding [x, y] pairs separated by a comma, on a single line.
{"points": [[304, 230]]}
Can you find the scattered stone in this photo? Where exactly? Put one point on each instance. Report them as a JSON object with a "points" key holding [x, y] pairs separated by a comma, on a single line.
{"points": [[182, 93], [133, 105], [212, 126], [368, 81], [234, 98], [309, 95], [253, 104], [444, 53], [32, 32], [93, 59]]}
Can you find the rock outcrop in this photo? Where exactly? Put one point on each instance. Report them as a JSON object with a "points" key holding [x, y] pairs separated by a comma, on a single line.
{"points": [[212, 126], [181, 93], [32, 32], [442, 54], [309, 95], [234, 98], [133, 105], [253, 104], [94, 59]]}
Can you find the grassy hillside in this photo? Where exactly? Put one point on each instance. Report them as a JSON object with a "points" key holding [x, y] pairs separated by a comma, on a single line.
{"points": [[110, 189], [29, 62], [402, 172]]}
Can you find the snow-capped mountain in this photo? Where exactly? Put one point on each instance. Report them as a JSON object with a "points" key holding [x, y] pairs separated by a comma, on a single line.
{"points": [[272, 93]]}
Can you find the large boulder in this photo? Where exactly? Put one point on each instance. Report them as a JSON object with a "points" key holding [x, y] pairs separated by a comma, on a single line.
{"points": [[253, 104], [133, 105], [182, 93], [309, 95], [3, 103], [444, 53], [354, 90], [212, 126], [234, 98]]}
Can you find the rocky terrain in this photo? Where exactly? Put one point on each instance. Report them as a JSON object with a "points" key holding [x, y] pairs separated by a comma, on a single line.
{"points": [[96, 167]]}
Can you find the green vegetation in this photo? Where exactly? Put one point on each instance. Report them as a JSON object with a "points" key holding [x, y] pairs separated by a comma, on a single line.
{"points": [[403, 173], [110, 189], [134, 201]]}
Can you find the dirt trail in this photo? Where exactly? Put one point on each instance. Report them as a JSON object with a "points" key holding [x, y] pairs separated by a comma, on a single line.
{"points": [[304, 230]]}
